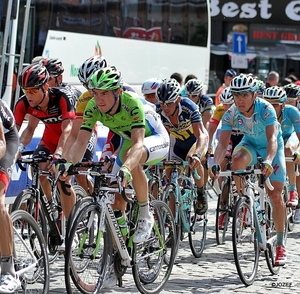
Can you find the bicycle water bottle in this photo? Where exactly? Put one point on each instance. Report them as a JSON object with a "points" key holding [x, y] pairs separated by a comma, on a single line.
{"points": [[175, 174], [121, 222]]}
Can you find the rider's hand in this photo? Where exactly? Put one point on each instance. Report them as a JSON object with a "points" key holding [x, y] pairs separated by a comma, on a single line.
{"points": [[297, 158], [214, 171], [125, 175], [195, 160], [267, 168], [109, 162], [63, 167]]}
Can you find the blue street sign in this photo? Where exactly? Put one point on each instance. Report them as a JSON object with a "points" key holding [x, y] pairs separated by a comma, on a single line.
{"points": [[239, 43]]}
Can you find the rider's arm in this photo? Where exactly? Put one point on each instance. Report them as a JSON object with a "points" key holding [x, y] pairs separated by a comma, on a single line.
{"points": [[66, 127], [221, 148], [201, 135], [72, 136], [28, 132], [2, 141], [211, 131], [78, 148]]}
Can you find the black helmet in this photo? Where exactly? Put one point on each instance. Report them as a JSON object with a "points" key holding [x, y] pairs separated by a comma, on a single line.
{"points": [[53, 66], [292, 90], [33, 76], [168, 91]]}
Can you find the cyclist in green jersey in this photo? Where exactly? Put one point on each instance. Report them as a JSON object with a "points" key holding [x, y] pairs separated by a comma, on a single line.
{"points": [[144, 138]]}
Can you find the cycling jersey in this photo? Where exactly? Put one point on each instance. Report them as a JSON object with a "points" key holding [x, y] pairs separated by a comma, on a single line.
{"points": [[132, 113], [254, 129], [290, 121], [187, 115], [7, 117], [217, 115], [71, 90], [60, 108], [205, 104]]}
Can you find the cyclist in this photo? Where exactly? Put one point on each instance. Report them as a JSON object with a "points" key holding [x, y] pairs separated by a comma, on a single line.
{"points": [[144, 138], [55, 108], [193, 89], [226, 99], [188, 136], [149, 88], [229, 75], [293, 94], [289, 118], [9, 142], [257, 120]]}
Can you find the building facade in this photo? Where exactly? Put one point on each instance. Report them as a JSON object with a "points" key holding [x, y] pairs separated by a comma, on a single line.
{"points": [[271, 31]]}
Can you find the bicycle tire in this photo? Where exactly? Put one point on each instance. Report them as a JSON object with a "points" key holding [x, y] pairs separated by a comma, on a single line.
{"points": [[154, 188], [26, 201], [79, 205], [221, 232], [270, 251], [197, 235], [87, 272], [149, 269], [245, 242], [28, 236], [168, 192]]}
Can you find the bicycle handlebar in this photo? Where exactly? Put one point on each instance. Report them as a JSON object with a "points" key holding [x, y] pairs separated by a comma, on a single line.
{"points": [[291, 159], [174, 163], [240, 173]]}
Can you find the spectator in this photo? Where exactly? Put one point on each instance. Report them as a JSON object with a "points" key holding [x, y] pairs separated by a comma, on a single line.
{"points": [[178, 77], [229, 75], [273, 79]]}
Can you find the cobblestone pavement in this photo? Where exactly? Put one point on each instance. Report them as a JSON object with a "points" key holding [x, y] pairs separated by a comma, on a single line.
{"points": [[213, 272]]}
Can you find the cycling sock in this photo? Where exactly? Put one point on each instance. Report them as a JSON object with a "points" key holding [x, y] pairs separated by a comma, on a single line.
{"points": [[292, 188], [7, 266], [144, 210], [280, 239]]}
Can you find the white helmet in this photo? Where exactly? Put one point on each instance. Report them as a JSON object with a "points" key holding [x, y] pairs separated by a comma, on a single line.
{"points": [[226, 96], [150, 86]]}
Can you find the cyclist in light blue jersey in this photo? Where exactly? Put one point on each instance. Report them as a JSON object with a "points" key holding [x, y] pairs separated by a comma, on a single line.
{"points": [[257, 120], [289, 118]]}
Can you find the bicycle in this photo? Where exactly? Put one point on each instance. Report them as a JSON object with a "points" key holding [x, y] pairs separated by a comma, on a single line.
{"points": [[253, 228], [30, 254], [183, 199], [36, 203], [155, 180], [102, 245]]}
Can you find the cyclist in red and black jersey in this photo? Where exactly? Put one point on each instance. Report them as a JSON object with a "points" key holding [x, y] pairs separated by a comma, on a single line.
{"points": [[55, 108]]}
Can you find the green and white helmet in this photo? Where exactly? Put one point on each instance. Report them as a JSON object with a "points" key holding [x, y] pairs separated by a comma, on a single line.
{"points": [[107, 78]]}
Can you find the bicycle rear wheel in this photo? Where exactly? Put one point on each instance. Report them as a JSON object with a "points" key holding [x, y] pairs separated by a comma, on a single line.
{"points": [[197, 234], [86, 262], [270, 252], [150, 271], [245, 242], [222, 212], [30, 254]]}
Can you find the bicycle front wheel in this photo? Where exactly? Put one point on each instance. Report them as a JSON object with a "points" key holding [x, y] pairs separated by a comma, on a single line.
{"points": [[197, 234], [30, 254], [87, 251], [150, 271], [245, 242], [222, 212]]}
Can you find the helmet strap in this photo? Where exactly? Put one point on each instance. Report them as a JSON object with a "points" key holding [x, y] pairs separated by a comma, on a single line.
{"points": [[44, 95], [175, 110], [116, 99]]}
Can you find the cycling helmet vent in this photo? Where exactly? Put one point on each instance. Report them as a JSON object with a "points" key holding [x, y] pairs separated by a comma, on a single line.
{"points": [[108, 78], [150, 86], [91, 65], [33, 76], [243, 83], [53, 66], [292, 90], [275, 95], [226, 96], [168, 91], [194, 87]]}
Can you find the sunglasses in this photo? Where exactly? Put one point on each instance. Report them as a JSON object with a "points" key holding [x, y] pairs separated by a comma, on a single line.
{"points": [[166, 104], [31, 91]]}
